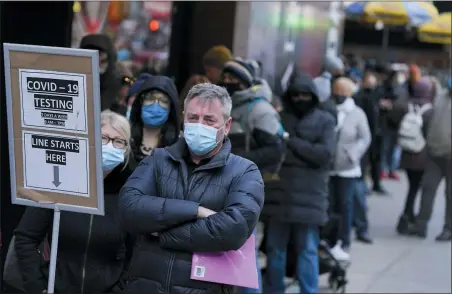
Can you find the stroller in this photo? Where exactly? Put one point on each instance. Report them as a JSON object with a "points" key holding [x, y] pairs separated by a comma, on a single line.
{"points": [[337, 270]]}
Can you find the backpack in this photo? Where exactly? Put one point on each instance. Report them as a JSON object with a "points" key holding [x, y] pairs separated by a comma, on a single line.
{"points": [[267, 176], [410, 136]]}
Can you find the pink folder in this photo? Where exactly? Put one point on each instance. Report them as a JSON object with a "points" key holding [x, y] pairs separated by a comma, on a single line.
{"points": [[237, 268]]}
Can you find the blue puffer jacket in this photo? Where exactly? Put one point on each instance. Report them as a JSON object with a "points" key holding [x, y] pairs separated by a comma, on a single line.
{"points": [[159, 197]]}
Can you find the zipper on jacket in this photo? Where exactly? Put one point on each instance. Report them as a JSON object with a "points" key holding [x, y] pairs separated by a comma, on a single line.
{"points": [[169, 273], [85, 257]]}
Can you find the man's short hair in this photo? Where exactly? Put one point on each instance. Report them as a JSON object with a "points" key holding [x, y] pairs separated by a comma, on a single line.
{"points": [[209, 92]]}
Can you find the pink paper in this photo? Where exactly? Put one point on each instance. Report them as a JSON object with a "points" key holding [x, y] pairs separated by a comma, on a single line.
{"points": [[237, 268]]}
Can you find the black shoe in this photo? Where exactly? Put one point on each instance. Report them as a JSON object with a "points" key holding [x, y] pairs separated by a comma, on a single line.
{"points": [[446, 235], [404, 225], [364, 238], [418, 231], [380, 191]]}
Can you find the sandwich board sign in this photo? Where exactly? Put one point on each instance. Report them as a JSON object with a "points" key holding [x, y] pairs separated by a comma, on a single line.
{"points": [[55, 147], [54, 132]]}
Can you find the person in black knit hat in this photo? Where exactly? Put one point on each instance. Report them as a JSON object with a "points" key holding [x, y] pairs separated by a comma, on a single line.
{"points": [[256, 132]]}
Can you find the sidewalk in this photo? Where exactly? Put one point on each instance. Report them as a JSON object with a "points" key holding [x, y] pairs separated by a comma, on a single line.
{"points": [[395, 264]]}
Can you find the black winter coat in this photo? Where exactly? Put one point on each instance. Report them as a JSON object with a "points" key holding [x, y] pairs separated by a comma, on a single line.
{"points": [[161, 198], [92, 250], [110, 81], [301, 196]]}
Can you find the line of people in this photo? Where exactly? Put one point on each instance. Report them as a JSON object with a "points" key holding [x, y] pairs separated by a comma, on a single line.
{"points": [[193, 180]]}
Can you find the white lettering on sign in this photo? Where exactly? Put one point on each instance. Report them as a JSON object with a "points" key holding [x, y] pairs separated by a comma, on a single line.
{"points": [[53, 100], [56, 163]]}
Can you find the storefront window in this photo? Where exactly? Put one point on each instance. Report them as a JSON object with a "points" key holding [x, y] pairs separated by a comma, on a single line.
{"points": [[141, 31]]}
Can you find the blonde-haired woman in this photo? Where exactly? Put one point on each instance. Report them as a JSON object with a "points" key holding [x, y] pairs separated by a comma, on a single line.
{"points": [[93, 250]]}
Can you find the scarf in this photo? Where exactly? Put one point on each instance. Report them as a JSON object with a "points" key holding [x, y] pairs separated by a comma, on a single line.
{"points": [[343, 110]]}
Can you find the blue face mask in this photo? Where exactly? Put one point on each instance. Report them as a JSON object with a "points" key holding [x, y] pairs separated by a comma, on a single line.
{"points": [[201, 139], [154, 115], [111, 157], [123, 54]]}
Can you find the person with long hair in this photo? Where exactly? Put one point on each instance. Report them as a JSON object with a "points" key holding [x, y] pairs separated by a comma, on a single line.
{"points": [[155, 116]]}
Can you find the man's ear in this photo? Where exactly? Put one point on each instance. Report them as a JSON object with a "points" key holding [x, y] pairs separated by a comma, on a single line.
{"points": [[227, 126]]}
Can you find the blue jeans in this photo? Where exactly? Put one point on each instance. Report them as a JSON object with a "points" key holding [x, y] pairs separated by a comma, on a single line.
{"points": [[307, 242], [341, 192], [390, 158], [360, 207], [259, 274]]}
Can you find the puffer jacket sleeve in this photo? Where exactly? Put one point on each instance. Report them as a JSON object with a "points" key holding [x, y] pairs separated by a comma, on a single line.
{"points": [[363, 139], [228, 229], [143, 211], [317, 153], [29, 234]]}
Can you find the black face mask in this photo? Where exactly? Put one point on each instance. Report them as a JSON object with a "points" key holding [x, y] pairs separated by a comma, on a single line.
{"points": [[231, 87], [339, 99], [301, 107], [335, 77]]}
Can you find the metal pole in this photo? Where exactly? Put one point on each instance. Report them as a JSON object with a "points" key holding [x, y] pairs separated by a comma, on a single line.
{"points": [[385, 43], [54, 250]]}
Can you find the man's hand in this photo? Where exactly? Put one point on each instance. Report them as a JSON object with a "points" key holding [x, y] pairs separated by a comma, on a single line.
{"points": [[204, 212]]}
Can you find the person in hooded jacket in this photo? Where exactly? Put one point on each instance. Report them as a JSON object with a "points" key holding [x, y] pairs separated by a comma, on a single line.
{"points": [[298, 205], [110, 80], [333, 69], [155, 116], [256, 132], [133, 90], [93, 251]]}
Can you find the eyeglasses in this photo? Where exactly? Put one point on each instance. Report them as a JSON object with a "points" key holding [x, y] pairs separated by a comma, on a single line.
{"points": [[117, 143], [152, 97]]}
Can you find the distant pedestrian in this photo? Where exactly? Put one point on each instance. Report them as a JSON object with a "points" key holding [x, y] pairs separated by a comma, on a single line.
{"points": [[438, 167], [353, 140]]}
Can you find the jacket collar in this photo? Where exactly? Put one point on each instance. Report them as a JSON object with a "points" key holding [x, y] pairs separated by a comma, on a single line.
{"points": [[177, 150]]}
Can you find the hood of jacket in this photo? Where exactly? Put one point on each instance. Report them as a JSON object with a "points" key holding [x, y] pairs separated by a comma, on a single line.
{"points": [[302, 83], [323, 86], [165, 85], [263, 89], [103, 43], [244, 96]]}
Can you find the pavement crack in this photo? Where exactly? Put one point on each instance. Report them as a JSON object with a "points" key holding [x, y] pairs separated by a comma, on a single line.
{"points": [[383, 272]]}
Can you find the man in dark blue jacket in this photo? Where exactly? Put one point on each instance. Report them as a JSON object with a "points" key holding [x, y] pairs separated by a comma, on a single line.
{"points": [[299, 205], [193, 196]]}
